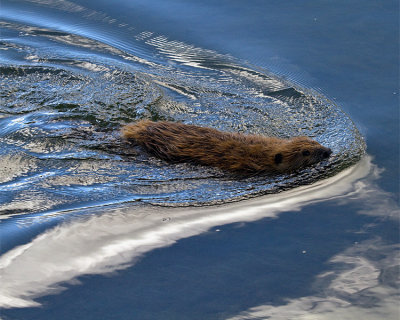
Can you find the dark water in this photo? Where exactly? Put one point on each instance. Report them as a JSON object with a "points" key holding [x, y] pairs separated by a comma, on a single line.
{"points": [[76, 201]]}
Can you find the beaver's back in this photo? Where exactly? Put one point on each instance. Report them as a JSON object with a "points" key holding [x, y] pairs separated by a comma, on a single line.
{"points": [[180, 142]]}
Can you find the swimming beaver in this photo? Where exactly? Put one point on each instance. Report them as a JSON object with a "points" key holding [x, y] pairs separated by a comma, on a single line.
{"points": [[235, 152]]}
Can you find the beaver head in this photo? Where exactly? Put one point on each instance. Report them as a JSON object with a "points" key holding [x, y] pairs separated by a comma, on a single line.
{"points": [[300, 152]]}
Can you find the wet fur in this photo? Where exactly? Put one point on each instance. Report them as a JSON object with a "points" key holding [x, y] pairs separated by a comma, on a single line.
{"points": [[235, 152]]}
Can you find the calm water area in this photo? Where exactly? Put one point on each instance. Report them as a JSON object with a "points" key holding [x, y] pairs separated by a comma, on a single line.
{"points": [[92, 227]]}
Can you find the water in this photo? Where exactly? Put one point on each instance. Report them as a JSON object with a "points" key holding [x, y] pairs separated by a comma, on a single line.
{"points": [[77, 203], [67, 109]]}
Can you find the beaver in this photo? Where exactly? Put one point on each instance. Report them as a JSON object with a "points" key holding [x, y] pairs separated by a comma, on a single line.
{"points": [[235, 152]]}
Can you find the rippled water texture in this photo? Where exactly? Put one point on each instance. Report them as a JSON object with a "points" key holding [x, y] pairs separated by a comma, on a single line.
{"points": [[67, 90]]}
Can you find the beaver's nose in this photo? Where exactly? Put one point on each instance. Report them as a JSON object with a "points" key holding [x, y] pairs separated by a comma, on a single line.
{"points": [[327, 153]]}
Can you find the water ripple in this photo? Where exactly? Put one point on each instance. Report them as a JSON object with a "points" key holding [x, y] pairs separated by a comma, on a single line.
{"points": [[67, 89]]}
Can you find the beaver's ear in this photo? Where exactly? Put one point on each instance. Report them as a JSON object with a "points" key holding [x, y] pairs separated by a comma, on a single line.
{"points": [[278, 158]]}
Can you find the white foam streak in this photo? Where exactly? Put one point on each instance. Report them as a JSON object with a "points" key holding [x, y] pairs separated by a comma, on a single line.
{"points": [[113, 241]]}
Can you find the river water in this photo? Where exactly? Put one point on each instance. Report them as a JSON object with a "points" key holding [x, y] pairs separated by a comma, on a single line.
{"points": [[92, 227]]}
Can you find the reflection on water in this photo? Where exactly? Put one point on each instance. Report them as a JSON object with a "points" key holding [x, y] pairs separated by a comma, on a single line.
{"points": [[348, 292], [113, 241]]}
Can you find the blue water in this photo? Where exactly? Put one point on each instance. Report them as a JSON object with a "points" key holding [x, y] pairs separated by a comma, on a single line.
{"points": [[92, 229]]}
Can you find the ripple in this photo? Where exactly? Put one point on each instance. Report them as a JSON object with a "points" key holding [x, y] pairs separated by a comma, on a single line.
{"points": [[67, 92]]}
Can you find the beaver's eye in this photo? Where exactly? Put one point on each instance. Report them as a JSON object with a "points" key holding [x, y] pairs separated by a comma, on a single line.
{"points": [[306, 153], [278, 158]]}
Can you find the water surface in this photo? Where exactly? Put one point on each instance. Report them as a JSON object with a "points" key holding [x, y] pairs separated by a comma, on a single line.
{"points": [[77, 201]]}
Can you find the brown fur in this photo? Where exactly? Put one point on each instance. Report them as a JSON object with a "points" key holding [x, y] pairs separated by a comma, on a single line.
{"points": [[235, 152]]}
